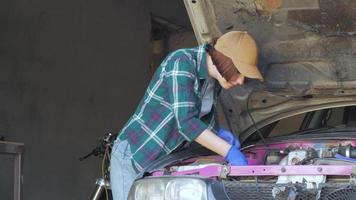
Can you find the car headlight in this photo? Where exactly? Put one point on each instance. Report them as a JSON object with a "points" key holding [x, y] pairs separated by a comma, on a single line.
{"points": [[168, 189]]}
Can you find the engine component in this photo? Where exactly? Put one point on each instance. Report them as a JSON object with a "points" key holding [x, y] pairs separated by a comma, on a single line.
{"points": [[347, 151], [273, 158], [296, 157], [332, 161], [340, 157]]}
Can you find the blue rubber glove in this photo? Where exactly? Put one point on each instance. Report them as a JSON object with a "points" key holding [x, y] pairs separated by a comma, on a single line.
{"points": [[229, 138], [235, 157]]}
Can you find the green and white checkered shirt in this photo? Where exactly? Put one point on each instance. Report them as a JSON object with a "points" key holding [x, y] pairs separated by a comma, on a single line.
{"points": [[168, 113]]}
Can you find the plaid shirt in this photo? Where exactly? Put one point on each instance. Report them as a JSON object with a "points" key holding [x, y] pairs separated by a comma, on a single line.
{"points": [[168, 113]]}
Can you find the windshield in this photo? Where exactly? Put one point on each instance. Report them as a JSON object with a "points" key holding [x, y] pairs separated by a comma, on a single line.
{"points": [[311, 122]]}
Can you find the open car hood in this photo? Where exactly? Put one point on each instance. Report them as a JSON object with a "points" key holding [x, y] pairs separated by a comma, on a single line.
{"points": [[307, 55]]}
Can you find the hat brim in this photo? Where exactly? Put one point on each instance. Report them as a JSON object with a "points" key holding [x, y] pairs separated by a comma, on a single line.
{"points": [[250, 71]]}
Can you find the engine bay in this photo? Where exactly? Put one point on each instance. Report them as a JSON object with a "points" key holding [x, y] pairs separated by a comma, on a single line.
{"points": [[287, 167], [303, 153], [299, 152]]}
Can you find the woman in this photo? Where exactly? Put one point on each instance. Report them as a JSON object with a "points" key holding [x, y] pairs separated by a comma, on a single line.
{"points": [[178, 106]]}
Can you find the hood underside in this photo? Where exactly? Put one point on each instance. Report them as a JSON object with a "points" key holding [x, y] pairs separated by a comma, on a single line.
{"points": [[307, 55]]}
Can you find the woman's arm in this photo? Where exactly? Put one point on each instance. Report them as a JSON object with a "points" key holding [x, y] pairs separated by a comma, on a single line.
{"points": [[211, 141]]}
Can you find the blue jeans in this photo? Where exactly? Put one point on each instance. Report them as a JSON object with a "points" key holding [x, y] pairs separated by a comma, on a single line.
{"points": [[122, 173]]}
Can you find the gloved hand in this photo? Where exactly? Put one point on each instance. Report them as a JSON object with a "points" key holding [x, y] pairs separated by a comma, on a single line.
{"points": [[229, 138], [235, 157]]}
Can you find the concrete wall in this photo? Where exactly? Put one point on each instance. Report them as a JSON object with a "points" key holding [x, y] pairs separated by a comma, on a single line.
{"points": [[172, 10], [69, 72]]}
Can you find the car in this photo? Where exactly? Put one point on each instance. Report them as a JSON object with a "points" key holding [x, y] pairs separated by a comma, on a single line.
{"points": [[297, 128]]}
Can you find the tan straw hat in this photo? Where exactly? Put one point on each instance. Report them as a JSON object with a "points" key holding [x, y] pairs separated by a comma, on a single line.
{"points": [[242, 49]]}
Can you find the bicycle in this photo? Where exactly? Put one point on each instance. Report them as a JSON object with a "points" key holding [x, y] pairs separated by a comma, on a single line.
{"points": [[102, 183]]}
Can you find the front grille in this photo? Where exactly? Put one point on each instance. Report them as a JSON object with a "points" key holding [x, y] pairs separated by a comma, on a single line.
{"points": [[339, 193], [263, 191]]}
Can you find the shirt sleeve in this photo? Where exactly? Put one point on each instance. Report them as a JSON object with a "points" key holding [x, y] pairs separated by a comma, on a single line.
{"points": [[184, 100]]}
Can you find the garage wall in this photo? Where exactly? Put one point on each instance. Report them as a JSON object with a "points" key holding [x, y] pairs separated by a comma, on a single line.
{"points": [[69, 72]]}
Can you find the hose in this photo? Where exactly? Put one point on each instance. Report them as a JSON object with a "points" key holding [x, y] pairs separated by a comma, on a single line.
{"points": [[338, 156]]}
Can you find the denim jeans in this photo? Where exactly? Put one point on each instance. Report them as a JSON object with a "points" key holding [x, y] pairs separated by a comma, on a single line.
{"points": [[122, 173]]}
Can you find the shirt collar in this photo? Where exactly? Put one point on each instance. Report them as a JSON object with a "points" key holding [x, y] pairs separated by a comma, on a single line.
{"points": [[201, 62]]}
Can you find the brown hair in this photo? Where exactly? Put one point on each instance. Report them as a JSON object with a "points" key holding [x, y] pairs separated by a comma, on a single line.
{"points": [[224, 64]]}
